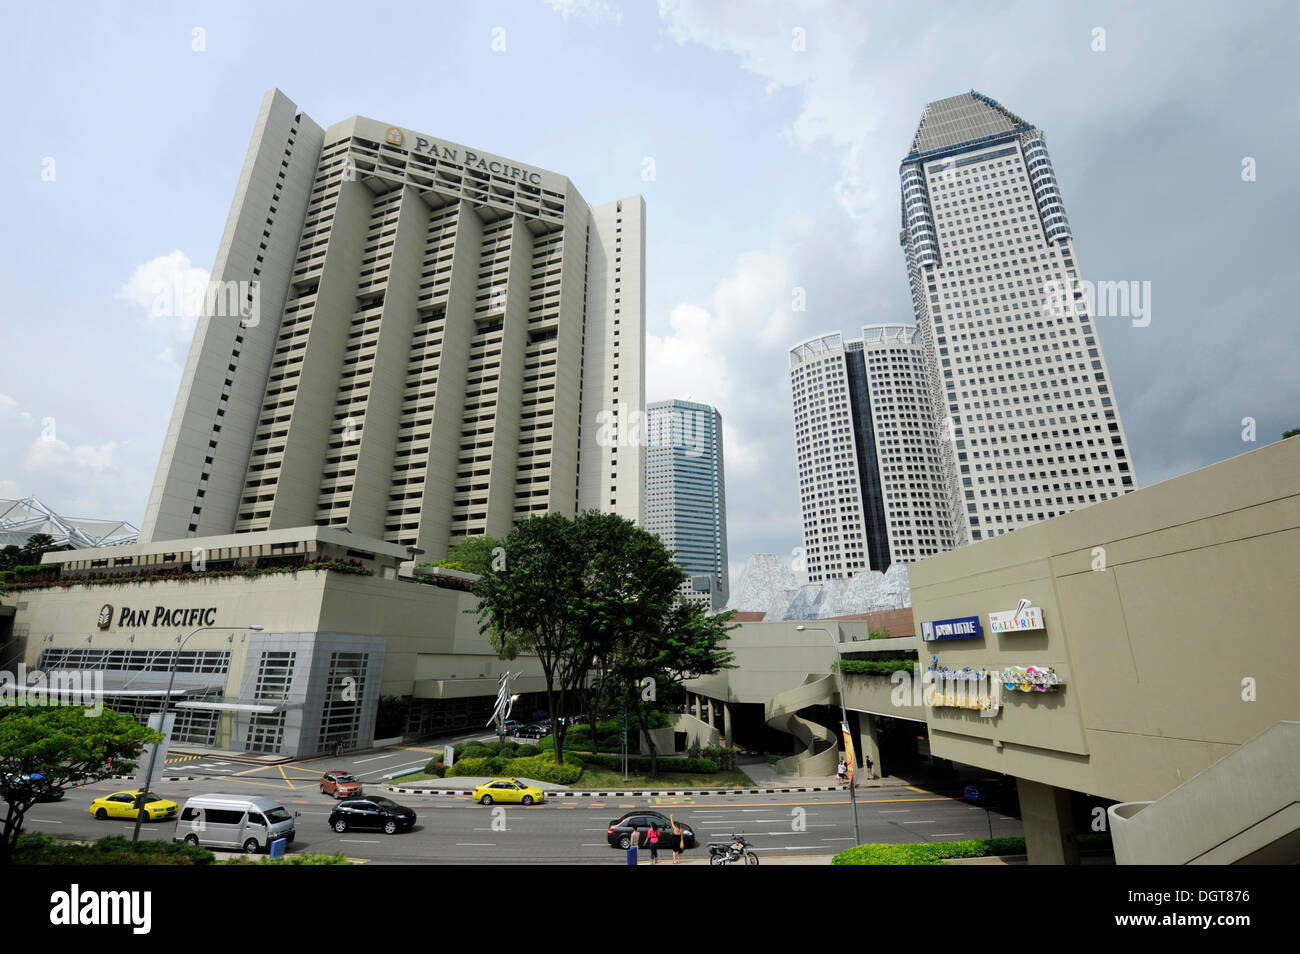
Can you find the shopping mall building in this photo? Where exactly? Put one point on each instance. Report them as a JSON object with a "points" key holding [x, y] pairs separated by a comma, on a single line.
{"points": [[1133, 665]]}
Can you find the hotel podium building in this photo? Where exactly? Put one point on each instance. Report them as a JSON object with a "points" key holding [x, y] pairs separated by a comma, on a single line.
{"points": [[405, 341]]}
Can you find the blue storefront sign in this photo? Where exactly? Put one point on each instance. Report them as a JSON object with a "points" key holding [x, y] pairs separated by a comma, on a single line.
{"points": [[963, 627]]}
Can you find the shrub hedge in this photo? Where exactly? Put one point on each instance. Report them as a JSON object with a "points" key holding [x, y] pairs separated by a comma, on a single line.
{"points": [[37, 848], [873, 667], [541, 767], [642, 764], [484, 750], [306, 858], [935, 853], [155, 574]]}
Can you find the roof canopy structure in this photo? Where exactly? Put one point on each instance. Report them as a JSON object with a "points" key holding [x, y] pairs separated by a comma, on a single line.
{"points": [[959, 119], [20, 519]]}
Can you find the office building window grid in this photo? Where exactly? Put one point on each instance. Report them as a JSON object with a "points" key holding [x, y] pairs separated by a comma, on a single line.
{"points": [[1019, 388]]}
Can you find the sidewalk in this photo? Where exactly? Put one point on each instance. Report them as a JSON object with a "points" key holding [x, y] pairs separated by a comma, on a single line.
{"points": [[766, 777]]}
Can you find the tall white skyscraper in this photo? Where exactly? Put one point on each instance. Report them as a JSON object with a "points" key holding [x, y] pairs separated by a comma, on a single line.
{"points": [[869, 483], [685, 498], [1020, 395], [419, 342]]}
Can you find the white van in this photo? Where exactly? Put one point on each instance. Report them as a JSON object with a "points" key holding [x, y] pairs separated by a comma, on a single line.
{"points": [[234, 822]]}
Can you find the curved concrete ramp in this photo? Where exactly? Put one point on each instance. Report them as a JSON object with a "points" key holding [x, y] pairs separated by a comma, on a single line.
{"points": [[782, 714], [1243, 809]]}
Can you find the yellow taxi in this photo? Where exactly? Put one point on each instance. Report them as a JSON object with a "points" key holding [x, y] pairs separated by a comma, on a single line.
{"points": [[123, 805], [508, 790]]}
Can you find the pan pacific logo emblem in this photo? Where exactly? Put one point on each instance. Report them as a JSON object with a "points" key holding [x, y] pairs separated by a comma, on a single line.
{"points": [[393, 136], [105, 615]]}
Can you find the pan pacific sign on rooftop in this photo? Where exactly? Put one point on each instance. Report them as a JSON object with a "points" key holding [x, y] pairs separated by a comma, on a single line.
{"points": [[470, 159]]}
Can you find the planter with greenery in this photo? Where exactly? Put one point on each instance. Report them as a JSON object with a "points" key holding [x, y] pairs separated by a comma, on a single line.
{"points": [[874, 667], [938, 852], [182, 574]]}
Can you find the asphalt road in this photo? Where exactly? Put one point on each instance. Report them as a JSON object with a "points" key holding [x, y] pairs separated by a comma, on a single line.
{"points": [[454, 830]]}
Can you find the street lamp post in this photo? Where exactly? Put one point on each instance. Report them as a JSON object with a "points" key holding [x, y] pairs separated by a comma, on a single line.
{"points": [[844, 724], [162, 722]]}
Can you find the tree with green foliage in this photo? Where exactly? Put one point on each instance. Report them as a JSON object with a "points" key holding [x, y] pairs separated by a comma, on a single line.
{"points": [[44, 750], [471, 554], [37, 545], [532, 602], [599, 593], [1291, 433], [10, 557], [653, 661]]}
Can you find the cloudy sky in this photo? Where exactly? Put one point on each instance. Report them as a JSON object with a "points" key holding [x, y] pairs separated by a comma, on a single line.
{"points": [[775, 130]]}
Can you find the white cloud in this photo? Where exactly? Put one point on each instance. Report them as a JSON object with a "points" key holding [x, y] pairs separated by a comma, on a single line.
{"points": [[171, 291], [51, 453], [595, 9], [9, 490]]}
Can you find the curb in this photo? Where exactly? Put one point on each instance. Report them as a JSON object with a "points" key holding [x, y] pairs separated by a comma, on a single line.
{"points": [[637, 793], [164, 778]]}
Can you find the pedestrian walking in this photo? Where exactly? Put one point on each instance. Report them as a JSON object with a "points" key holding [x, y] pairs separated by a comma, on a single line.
{"points": [[841, 770], [678, 840], [866, 760], [632, 844], [652, 839]]}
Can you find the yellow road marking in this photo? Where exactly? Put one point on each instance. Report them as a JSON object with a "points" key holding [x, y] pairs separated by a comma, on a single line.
{"points": [[246, 781], [913, 788], [416, 748], [292, 786]]}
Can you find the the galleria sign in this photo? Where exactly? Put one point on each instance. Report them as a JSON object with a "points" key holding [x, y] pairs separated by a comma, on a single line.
{"points": [[161, 616]]}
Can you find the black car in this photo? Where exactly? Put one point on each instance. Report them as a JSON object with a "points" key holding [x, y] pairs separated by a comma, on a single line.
{"points": [[373, 812], [620, 830]]}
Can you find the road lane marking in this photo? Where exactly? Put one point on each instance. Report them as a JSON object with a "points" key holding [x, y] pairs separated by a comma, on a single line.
{"points": [[476, 844], [359, 841], [292, 787], [376, 758]]}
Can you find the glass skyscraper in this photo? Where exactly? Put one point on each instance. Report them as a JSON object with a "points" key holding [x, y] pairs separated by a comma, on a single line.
{"points": [[685, 496]]}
